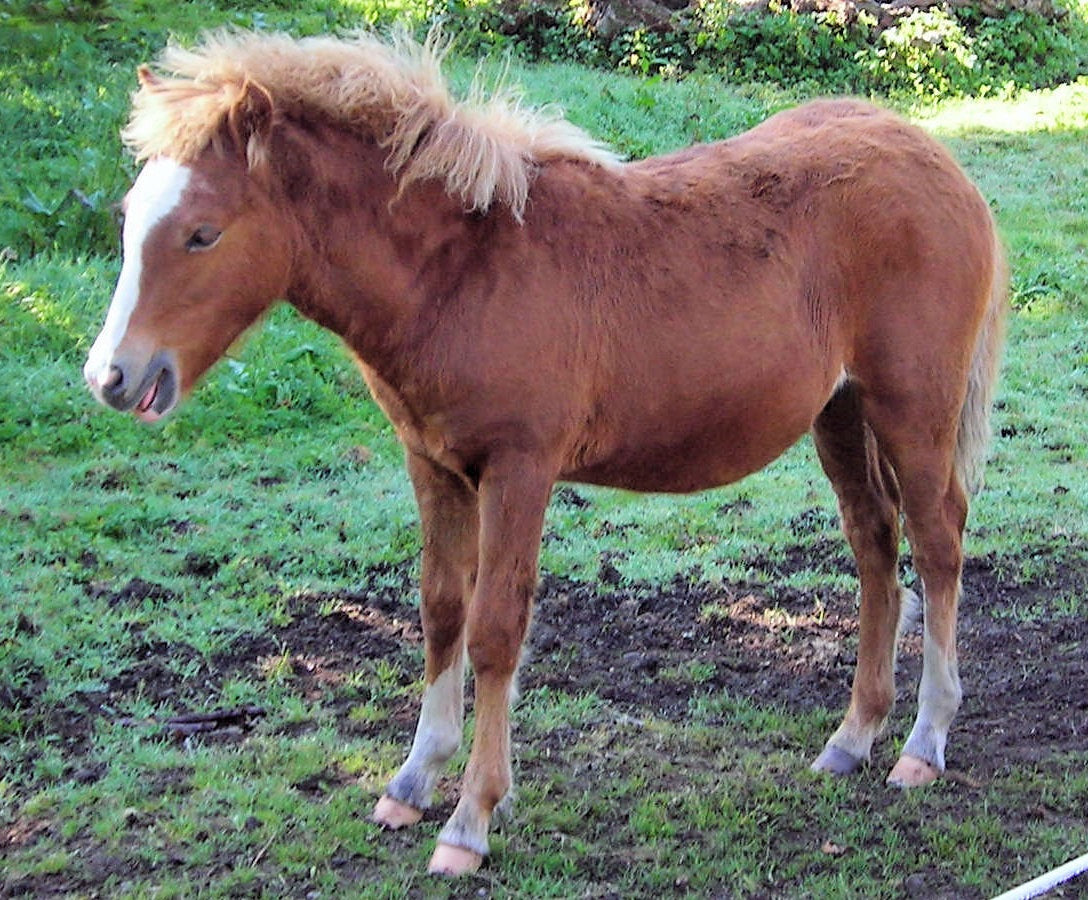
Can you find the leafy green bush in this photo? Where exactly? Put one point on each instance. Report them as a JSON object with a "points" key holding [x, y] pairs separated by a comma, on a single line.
{"points": [[538, 31], [782, 46], [929, 52], [926, 53], [1029, 51]]}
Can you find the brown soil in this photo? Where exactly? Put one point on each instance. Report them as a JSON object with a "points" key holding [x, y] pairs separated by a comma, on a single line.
{"points": [[1026, 683], [1018, 678]]}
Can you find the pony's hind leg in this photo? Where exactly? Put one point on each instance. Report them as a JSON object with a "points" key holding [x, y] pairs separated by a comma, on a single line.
{"points": [[935, 518], [921, 444], [869, 507], [449, 520]]}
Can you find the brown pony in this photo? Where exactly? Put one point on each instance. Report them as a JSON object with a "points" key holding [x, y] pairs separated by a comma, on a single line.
{"points": [[527, 309]]}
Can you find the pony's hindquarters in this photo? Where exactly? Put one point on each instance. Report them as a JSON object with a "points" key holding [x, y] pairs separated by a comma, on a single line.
{"points": [[935, 523]]}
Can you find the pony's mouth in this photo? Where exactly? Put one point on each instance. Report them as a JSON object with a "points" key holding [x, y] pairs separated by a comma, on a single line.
{"points": [[159, 397]]}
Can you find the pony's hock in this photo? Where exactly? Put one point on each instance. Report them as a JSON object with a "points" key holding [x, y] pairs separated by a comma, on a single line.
{"points": [[527, 309]]}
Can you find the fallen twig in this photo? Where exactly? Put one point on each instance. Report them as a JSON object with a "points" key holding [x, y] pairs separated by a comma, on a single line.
{"points": [[243, 717], [180, 727]]}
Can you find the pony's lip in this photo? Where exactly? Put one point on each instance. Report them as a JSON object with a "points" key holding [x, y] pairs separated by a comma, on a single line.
{"points": [[143, 408], [159, 396]]}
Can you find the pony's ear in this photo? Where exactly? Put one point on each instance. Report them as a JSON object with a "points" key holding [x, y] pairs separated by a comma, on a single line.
{"points": [[250, 120], [147, 78]]}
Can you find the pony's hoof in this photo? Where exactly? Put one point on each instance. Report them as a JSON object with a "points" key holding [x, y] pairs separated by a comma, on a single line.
{"points": [[394, 814], [912, 772], [450, 860], [835, 761]]}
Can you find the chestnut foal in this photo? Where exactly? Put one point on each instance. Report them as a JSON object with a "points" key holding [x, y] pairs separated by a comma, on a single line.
{"points": [[528, 309]]}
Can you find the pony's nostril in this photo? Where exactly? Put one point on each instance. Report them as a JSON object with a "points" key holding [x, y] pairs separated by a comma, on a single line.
{"points": [[113, 385], [115, 378]]}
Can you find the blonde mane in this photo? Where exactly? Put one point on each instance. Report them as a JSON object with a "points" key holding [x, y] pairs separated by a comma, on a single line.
{"points": [[485, 149]]}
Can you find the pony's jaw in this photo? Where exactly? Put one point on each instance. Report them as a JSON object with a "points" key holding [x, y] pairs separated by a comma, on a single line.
{"points": [[118, 371]]}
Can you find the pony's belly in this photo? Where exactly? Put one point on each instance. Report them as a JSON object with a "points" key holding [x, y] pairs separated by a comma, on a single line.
{"points": [[684, 466]]}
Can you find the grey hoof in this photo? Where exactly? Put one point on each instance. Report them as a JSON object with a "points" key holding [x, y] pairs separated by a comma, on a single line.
{"points": [[837, 761]]}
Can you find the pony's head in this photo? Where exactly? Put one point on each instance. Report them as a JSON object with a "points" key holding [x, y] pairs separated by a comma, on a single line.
{"points": [[206, 246], [206, 251]]}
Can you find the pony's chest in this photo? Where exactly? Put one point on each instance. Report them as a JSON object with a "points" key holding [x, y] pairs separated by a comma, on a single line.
{"points": [[424, 435]]}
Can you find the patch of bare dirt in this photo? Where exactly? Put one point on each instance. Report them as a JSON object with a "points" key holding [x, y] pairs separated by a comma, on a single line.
{"points": [[649, 649], [646, 649], [1026, 684]]}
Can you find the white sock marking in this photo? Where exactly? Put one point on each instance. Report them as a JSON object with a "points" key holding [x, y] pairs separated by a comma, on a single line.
{"points": [[438, 735], [939, 696]]}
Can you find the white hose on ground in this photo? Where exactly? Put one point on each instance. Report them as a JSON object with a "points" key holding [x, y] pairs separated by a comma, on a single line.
{"points": [[1051, 879]]}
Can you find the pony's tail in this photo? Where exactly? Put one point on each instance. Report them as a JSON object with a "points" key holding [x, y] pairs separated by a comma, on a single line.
{"points": [[974, 431]]}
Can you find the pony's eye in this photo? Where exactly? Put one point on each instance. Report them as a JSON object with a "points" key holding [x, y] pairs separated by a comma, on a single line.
{"points": [[203, 238]]}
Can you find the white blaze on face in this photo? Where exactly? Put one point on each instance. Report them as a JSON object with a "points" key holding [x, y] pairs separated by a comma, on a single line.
{"points": [[155, 193]]}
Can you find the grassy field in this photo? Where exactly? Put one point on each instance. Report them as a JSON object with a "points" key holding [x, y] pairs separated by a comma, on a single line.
{"points": [[259, 549]]}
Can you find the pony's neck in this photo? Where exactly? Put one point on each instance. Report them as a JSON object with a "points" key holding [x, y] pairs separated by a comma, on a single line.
{"points": [[368, 260]]}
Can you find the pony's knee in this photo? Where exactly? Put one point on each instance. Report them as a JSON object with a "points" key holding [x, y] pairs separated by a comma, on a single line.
{"points": [[494, 645]]}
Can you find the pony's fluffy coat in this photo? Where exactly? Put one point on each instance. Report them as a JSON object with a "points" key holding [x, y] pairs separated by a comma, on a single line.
{"points": [[485, 149]]}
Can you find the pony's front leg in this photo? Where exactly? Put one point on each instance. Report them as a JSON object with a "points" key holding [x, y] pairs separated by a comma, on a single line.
{"points": [[450, 527], [513, 498]]}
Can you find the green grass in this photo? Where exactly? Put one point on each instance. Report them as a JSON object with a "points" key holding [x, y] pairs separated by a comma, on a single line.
{"points": [[280, 479]]}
